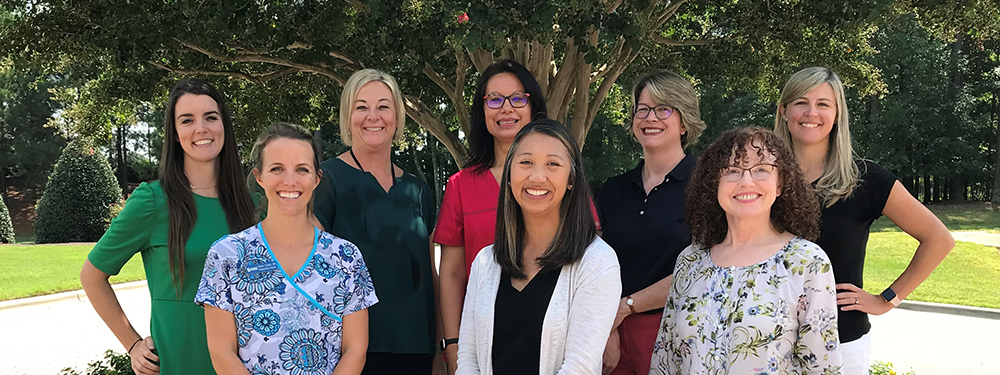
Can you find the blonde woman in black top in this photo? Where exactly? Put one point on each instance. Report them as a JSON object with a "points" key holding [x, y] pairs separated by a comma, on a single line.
{"points": [[812, 118]]}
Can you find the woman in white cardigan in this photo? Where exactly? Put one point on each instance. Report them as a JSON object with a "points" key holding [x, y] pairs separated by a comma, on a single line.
{"points": [[543, 297]]}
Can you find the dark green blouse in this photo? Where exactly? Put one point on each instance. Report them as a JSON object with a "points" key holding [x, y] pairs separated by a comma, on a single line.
{"points": [[176, 323], [392, 230]]}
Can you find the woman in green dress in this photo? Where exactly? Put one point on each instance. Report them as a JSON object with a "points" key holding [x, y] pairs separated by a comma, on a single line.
{"points": [[199, 197]]}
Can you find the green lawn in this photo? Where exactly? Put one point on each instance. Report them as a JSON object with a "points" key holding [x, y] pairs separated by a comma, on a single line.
{"points": [[970, 216], [970, 275], [31, 270]]}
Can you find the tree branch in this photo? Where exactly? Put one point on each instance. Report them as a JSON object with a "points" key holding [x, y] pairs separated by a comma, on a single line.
{"points": [[255, 78], [422, 115], [316, 69], [667, 13], [481, 59], [683, 43], [611, 6]]}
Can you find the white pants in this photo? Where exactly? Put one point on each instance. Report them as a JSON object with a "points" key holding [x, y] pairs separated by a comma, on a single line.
{"points": [[857, 355]]}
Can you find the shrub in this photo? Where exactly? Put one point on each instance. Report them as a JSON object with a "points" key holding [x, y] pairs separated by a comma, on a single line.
{"points": [[6, 226], [884, 368], [112, 364], [76, 204]]}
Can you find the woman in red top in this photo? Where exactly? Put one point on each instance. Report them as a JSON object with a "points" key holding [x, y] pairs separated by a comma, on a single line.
{"points": [[507, 98]]}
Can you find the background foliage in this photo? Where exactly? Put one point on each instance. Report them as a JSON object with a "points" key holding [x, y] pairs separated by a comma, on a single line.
{"points": [[923, 75], [76, 205]]}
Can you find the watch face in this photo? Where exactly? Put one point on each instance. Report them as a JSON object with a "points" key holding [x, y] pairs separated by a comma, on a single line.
{"points": [[888, 294], [629, 301]]}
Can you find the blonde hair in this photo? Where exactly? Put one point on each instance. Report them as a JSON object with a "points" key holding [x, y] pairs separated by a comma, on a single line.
{"points": [[840, 172], [666, 87], [350, 94]]}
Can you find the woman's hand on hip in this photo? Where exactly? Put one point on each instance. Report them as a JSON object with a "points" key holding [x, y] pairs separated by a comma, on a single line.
{"points": [[142, 358], [852, 298]]}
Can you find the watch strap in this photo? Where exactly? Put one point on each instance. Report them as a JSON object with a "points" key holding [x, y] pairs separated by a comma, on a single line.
{"points": [[630, 302], [891, 297], [446, 342]]}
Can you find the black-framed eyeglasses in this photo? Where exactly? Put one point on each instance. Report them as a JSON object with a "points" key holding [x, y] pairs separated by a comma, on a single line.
{"points": [[758, 172], [517, 100], [661, 112]]}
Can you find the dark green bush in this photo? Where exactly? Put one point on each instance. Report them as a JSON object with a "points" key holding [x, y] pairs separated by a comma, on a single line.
{"points": [[76, 205], [6, 226], [112, 364]]}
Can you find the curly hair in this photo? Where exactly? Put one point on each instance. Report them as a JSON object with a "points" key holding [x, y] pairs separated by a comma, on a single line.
{"points": [[796, 210]]}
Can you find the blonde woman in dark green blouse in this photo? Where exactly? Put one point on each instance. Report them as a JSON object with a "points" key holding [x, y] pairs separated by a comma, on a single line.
{"points": [[199, 197]]}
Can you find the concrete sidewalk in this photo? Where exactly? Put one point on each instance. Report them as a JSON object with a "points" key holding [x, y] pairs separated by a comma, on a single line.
{"points": [[978, 236], [43, 338]]}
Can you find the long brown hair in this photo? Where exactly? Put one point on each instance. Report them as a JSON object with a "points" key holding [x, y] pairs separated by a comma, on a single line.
{"points": [[181, 210], [576, 224]]}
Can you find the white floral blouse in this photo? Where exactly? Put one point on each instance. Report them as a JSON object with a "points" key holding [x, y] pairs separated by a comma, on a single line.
{"points": [[775, 317]]}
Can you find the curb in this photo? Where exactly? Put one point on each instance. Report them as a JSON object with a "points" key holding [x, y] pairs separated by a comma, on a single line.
{"points": [[944, 308], [79, 295]]}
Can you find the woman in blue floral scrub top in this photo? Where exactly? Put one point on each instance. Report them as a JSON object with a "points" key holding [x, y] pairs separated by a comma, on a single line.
{"points": [[283, 297], [752, 294]]}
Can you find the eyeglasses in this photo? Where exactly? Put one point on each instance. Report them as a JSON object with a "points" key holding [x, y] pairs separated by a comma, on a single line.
{"points": [[517, 100], [758, 172], [661, 112]]}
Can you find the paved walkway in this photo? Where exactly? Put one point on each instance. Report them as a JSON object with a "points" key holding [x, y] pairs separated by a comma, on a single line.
{"points": [[978, 236], [47, 337]]}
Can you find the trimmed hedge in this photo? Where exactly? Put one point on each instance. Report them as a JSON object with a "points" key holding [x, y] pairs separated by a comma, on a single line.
{"points": [[76, 205], [6, 225]]}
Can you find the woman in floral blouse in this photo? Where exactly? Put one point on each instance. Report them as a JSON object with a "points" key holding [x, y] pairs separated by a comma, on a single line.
{"points": [[752, 294]]}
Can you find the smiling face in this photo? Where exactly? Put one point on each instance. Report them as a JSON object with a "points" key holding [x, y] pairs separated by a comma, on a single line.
{"points": [[539, 174], [653, 132], [287, 175], [750, 198], [200, 131], [373, 117], [811, 117], [503, 123]]}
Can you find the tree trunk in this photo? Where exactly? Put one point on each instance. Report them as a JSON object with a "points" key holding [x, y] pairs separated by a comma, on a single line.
{"points": [[995, 196], [927, 189], [937, 189], [121, 155], [438, 186], [956, 190]]}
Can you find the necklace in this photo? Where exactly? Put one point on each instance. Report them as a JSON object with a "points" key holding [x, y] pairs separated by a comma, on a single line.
{"points": [[201, 188], [391, 170]]}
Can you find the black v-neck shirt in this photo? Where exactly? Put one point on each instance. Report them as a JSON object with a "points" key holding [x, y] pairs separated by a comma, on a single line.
{"points": [[517, 323]]}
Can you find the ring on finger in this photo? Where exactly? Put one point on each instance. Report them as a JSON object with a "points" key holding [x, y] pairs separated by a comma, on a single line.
{"points": [[856, 301]]}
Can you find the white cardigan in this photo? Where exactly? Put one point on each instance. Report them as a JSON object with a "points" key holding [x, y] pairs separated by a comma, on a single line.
{"points": [[577, 322]]}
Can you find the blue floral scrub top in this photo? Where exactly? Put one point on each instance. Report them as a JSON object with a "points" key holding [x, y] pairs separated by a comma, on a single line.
{"points": [[286, 324]]}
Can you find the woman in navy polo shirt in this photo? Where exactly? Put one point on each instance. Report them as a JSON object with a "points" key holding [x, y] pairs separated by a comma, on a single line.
{"points": [[642, 212]]}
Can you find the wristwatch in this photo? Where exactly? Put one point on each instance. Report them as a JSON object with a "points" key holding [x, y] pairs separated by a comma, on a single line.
{"points": [[890, 296], [630, 302], [445, 342]]}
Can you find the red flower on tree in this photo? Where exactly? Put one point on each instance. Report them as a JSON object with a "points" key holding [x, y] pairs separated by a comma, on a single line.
{"points": [[462, 18]]}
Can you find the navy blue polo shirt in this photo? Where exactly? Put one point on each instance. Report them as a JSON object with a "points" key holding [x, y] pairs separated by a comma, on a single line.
{"points": [[646, 231]]}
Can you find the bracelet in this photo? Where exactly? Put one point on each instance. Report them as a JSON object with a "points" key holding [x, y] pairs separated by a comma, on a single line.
{"points": [[133, 346]]}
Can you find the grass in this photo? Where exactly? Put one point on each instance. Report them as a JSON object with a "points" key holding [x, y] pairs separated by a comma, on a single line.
{"points": [[31, 270], [969, 276], [968, 216]]}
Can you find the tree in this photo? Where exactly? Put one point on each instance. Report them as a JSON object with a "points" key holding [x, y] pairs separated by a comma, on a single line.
{"points": [[27, 147], [6, 225], [578, 49], [76, 205]]}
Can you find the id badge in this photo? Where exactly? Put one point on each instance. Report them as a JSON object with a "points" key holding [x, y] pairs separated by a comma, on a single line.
{"points": [[257, 268]]}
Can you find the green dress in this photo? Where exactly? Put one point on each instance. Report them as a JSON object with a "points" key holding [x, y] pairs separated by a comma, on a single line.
{"points": [[176, 323], [392, 231]]}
